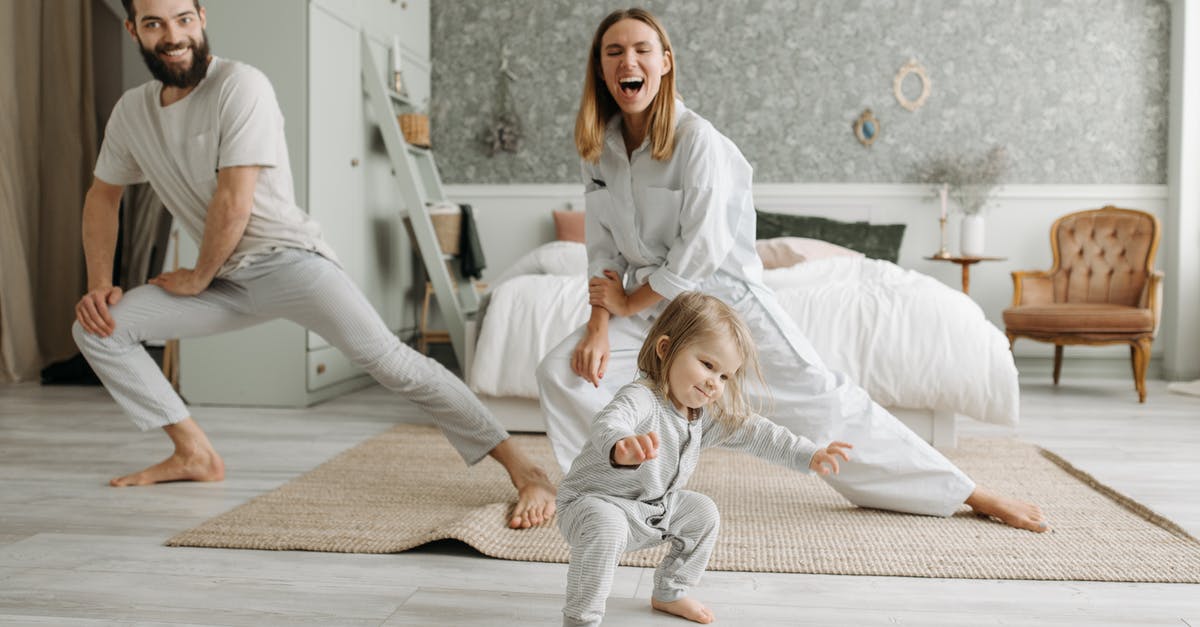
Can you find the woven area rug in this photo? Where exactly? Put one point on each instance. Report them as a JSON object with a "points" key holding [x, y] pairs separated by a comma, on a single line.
{"points": [[408, 487]]}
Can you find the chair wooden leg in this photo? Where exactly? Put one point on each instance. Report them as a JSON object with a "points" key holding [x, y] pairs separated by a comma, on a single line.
{"points": [[1012, 339], [1141, 359], [1058, 350]]}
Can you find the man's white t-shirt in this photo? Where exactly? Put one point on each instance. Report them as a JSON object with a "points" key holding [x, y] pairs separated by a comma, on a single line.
{"points": [[230, 119]]}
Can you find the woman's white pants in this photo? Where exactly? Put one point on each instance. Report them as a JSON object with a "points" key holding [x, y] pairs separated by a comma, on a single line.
{"points": [[891, 468]]}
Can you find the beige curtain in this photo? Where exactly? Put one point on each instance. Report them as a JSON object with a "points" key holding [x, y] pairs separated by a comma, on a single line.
{"points": [[47, 152]]}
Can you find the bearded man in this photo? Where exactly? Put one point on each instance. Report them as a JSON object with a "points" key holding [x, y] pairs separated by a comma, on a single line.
{"points": [[207, 134]]}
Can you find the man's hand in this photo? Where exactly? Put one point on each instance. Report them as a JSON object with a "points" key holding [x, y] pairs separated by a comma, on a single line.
{"points": [[825, 460], [635, 449], [92, 310], [608, 293], [181, 282]]}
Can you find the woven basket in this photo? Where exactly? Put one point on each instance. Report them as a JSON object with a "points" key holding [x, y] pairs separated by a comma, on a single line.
{"points": [[415, 127], [446, 226]]}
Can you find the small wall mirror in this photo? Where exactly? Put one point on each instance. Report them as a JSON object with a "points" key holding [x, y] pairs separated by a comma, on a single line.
{"points": [[916, 70]]}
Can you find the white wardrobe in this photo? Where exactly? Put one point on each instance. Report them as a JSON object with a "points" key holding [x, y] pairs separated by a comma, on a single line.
{"points": [[311, 52]]}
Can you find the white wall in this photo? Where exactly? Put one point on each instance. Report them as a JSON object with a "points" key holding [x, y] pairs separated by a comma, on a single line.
{"points": [[1181, 324], [515, 218]]}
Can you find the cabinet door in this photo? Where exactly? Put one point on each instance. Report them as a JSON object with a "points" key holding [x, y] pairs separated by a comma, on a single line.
{"points": [[336, 146]]}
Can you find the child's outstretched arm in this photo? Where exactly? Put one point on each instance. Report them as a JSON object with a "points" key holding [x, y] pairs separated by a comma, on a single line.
{"points": [[824, 461], [769, 441], [635, 449]]}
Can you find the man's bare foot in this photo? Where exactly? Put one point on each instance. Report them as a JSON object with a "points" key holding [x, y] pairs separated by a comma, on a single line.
{"points": [[535, 493], [194, 459], [686, 607], [535, 499], [1009, 511], [201, 467]]}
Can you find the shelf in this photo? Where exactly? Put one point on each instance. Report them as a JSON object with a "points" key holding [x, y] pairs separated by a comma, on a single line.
{"points": [[400, 98]]}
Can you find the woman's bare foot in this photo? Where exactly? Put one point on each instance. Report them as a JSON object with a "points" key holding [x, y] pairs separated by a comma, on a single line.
{"points": [[535, 494], [194, 459], [686, 607], [1009, 511], [199, 467]]}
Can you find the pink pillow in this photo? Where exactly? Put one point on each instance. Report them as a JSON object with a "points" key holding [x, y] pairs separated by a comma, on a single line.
{"points": [[568, 226], [784, 252]]}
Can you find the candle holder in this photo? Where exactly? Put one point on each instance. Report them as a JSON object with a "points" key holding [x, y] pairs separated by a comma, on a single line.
{"points": [[942, 253], [398, 82]]}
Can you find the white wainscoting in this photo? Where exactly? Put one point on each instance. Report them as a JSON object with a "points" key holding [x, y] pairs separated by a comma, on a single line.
{"points": [[515, 218]]}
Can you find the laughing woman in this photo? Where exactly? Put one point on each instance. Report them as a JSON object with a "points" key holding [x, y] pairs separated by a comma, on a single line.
{"points": [[669, 210]]}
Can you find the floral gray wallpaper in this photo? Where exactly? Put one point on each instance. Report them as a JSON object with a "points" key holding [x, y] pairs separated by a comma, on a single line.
{"points": [[1077, 90]]}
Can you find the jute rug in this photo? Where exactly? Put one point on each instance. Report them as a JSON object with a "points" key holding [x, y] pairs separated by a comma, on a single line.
{"points": [[408, 487]]}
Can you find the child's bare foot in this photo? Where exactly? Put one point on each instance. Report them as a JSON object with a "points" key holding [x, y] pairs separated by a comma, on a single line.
{"points": [[686, 607], [202, 466], [1009, 511]]}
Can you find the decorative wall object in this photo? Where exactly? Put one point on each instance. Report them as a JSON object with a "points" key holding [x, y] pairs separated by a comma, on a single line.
{"points": [[504, 134], [912, 68], [866, 128], [782, 79]]}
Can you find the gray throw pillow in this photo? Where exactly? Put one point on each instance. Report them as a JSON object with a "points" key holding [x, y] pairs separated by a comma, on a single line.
{"points": [[878, 241]]}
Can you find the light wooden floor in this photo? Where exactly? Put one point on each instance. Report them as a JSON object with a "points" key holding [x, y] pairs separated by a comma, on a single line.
{"points": [[73, 551]]}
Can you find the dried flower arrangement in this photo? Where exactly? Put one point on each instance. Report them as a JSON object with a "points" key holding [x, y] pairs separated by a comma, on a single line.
{"points": [[972, 182]]}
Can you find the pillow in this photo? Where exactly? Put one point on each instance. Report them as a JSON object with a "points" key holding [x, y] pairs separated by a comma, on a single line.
{"points": [[785, 252], [562, 258], [878, 241], [568, 226]]}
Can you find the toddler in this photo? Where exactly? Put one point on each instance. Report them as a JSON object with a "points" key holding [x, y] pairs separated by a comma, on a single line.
{"points": [[625, 489]]}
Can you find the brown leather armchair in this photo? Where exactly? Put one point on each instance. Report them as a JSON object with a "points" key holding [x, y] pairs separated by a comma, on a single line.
{"points": [[1102, 288]]}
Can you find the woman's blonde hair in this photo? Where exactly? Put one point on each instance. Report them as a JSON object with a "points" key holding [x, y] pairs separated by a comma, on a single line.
{"points": [[695, 317], [597, 106]]}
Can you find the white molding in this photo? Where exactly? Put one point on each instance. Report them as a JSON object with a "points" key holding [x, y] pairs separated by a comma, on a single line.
{"points": [[1105, 193], [517, 190]]}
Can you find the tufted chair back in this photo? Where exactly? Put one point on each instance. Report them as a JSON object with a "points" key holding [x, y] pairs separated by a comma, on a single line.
{"points": [[1103, 256]]}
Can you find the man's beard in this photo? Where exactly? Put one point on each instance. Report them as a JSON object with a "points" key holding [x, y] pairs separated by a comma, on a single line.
{"points": [[184, 78]]}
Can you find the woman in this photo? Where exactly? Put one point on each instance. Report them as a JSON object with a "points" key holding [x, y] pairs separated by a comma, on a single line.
{"points": [[669, 210]]}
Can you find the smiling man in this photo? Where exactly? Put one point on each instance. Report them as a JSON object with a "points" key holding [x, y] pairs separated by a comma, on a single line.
{"points": [[207, 134]]}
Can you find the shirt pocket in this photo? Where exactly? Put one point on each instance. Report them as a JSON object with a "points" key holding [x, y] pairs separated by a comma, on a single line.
{"points": [[200, 157], [658, 220]]}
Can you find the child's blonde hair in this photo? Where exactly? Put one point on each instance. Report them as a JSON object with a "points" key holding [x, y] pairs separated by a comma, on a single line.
{"points": [[597, 106], [695, 317]]}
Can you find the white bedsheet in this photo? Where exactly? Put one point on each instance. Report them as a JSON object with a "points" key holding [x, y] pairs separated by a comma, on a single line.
{"points": [[907, 338]]}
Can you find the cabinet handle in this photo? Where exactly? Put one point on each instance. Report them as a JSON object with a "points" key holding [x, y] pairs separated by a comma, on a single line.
{"points": [[320, 368], [354, 163]]}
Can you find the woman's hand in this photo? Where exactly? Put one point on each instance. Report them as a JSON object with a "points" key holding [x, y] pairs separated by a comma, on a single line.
{"points": [[590, 359], [607, 292], [825, 460]]}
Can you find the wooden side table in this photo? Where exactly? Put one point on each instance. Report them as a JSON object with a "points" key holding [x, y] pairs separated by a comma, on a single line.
{"points": [[966, 263], [426, 335]]}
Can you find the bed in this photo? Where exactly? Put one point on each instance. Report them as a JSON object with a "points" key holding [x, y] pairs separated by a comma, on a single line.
{"points": [[920, 348]]}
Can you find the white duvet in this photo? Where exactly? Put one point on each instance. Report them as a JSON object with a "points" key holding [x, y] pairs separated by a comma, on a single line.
{"points": [[909, 340]]}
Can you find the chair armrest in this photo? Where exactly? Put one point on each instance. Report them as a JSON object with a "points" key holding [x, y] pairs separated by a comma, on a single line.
{"points": [[1032, 287], [1151, 297]]}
